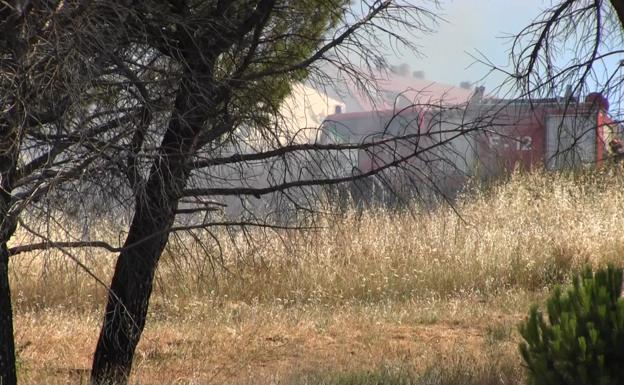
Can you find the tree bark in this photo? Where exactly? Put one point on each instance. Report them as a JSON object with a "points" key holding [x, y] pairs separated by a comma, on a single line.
{"points": [[9, 144], [128, 299], [7, 345], [133, 278], [198, 99]]}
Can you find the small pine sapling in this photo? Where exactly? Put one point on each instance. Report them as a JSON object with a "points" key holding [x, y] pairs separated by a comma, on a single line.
{"points": [[582, 343]]}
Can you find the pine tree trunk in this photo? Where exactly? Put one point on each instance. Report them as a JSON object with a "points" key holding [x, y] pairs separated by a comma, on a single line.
{"points": [[128, 302], [155, 208], [132, 281], [7, 345], [9, 143]]}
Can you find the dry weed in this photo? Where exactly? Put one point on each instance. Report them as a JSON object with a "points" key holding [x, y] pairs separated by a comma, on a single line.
{"points": [[363, 289]]}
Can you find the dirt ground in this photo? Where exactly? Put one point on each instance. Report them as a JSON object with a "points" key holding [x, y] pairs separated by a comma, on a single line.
{"points": [[244, 344]]}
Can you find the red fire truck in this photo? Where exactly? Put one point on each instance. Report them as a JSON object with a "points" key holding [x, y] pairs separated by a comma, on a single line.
{"points": [[444, 146]]}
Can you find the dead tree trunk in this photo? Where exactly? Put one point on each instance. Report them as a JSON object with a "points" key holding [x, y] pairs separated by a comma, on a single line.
{"points": [[9, 144], [7, 228], [7, 344], [132, 281], [8, 158]]}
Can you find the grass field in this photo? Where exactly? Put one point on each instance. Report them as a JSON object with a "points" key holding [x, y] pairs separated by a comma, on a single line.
{"points": [[380, 297]]}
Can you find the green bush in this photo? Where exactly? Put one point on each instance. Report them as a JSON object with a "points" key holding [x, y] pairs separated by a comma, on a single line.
{"points": [[583, 340]]}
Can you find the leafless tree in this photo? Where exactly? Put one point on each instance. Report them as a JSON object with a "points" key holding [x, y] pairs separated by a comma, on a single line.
{"points": [[574, 46], [55, 121]]}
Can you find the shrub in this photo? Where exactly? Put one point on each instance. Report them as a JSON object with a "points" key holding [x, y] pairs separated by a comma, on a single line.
{"points": [[583, 340]]}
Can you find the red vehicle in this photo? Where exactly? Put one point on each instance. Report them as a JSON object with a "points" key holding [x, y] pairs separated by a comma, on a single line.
{"points": [[484, 138]]}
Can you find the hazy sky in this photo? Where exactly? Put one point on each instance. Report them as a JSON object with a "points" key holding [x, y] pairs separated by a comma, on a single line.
{"points": [[472, 25]]}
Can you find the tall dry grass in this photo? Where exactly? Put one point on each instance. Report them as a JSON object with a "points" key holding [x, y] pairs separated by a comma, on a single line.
{"points": [[414, 287], [525, 234]]}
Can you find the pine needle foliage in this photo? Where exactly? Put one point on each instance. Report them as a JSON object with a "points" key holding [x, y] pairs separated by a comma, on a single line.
{"points": [[583, 340]]}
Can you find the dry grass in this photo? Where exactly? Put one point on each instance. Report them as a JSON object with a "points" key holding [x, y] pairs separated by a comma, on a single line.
{"points": [[414, 288], [522, 235], [261, 344]]}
